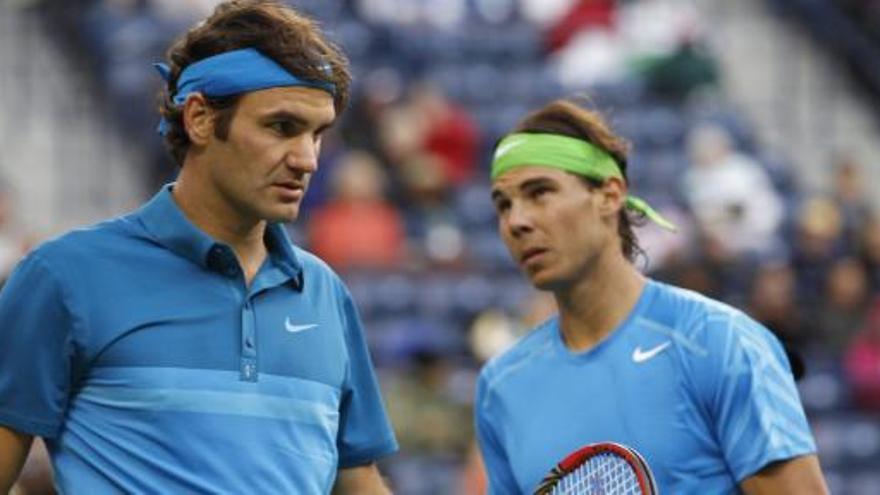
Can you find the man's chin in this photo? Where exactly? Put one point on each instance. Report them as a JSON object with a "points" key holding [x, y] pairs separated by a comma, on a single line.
{"points": [[286, 215], [542, 280]]}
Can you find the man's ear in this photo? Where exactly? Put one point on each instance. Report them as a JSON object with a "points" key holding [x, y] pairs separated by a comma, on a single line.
{"points": [[198, 119], [613, 196]]}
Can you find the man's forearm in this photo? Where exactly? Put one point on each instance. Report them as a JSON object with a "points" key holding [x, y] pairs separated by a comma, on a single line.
{"points": [[15, 447], [361, 480], [797, 475]]}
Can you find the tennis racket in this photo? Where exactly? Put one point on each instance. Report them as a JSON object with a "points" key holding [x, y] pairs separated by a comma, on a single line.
{"points": [[604, 468]]}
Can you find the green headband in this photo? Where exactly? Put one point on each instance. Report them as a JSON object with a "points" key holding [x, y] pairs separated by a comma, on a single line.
{"points": [[569, 154]]}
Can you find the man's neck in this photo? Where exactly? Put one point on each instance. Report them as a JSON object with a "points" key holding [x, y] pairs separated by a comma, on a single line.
{"points": [[597, 304], [207, 211]]}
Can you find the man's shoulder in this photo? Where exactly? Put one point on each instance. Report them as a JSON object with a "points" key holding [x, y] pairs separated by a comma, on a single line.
{"points": [[520, 354], [87, 240], [686, 307], [314, 266], [318, 276], [701, 319], [309, 260]]}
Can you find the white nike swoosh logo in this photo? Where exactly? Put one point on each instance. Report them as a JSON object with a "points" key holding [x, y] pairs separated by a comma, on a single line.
{"points": [[290, 327], [640, 356], [507, 147]]}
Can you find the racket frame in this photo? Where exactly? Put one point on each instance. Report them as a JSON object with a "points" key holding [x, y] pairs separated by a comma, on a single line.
{"points": [[581, 456]]}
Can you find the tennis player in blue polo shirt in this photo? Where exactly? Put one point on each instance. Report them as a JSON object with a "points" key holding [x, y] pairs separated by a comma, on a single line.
{"points": [[189, 347], [703, 392]]}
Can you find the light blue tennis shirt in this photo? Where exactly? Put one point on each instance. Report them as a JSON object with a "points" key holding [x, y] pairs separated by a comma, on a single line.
{"points": [[136, 349], [701, 390]]}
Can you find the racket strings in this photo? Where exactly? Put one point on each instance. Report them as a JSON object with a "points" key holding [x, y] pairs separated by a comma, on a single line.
{"points": [[604, 474]]}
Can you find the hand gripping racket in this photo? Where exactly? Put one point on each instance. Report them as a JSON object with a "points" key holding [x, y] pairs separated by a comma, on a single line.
{"points": [[604, 468]]}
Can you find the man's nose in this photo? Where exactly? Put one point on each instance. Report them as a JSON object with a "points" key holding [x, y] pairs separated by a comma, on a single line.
{"points": [[519, 219], [302, 154]]}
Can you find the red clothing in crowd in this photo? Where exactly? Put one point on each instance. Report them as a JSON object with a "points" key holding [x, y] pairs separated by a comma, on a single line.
{"points": [[349, 235], [583, 14], [862, 363], [454, 139]]}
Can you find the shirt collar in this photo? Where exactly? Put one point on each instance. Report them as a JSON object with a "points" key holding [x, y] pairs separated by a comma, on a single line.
{"points": [[167, 224], [281, 249]]}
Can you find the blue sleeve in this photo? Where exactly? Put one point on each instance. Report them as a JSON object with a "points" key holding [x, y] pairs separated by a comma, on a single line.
{"points": [[758, 416], [365, 433], [500, 478], [35, 350]]}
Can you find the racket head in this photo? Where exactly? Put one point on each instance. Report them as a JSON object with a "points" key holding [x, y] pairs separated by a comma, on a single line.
{"points": [[606, 468]]}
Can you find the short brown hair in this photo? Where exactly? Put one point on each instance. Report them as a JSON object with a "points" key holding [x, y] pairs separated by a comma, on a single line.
{"points": [[566, 118], [281, 33]]}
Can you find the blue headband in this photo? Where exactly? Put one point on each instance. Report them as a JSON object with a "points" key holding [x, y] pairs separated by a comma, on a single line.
{"points": [[232, 73]]}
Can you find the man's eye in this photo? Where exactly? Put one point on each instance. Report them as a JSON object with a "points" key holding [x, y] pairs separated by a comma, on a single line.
{"points": [[283, 128], [539, 191]]}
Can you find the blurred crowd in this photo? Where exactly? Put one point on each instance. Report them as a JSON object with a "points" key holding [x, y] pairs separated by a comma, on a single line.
{"points": [[401, 206], [850, 28]]}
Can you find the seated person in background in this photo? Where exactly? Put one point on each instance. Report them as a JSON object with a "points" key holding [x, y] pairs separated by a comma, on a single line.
{"points": [[862, 362], [730, 195], [357, 227]]}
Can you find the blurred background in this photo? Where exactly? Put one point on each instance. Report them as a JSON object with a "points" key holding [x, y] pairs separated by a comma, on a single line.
{"points": [[754, 126]]}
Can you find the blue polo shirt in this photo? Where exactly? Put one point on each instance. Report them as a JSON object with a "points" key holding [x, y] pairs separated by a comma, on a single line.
{"points": [[135, 348]]}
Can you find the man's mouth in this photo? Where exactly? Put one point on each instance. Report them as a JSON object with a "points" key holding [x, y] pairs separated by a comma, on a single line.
{"points": [[531, 254], [293, 185], [292, 190]]}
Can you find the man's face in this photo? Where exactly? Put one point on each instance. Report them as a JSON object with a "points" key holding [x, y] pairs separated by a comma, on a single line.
{"points": [[263, 168], [553, 224]]}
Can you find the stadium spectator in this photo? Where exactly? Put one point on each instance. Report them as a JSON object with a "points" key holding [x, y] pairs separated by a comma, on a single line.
{"points": [[431, 220], [450, 133], [686, 70], [849, 193], [360, 126], [357, 227], [817, 244], [581, 15], [718, 271], [730, 195], [869, 250], [401, 132], [841, 311], [431, 421], [862, 362], [772, 303]]}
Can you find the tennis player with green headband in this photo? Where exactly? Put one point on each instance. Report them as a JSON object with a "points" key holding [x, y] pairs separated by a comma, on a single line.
{"points": [[703, 392]]}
